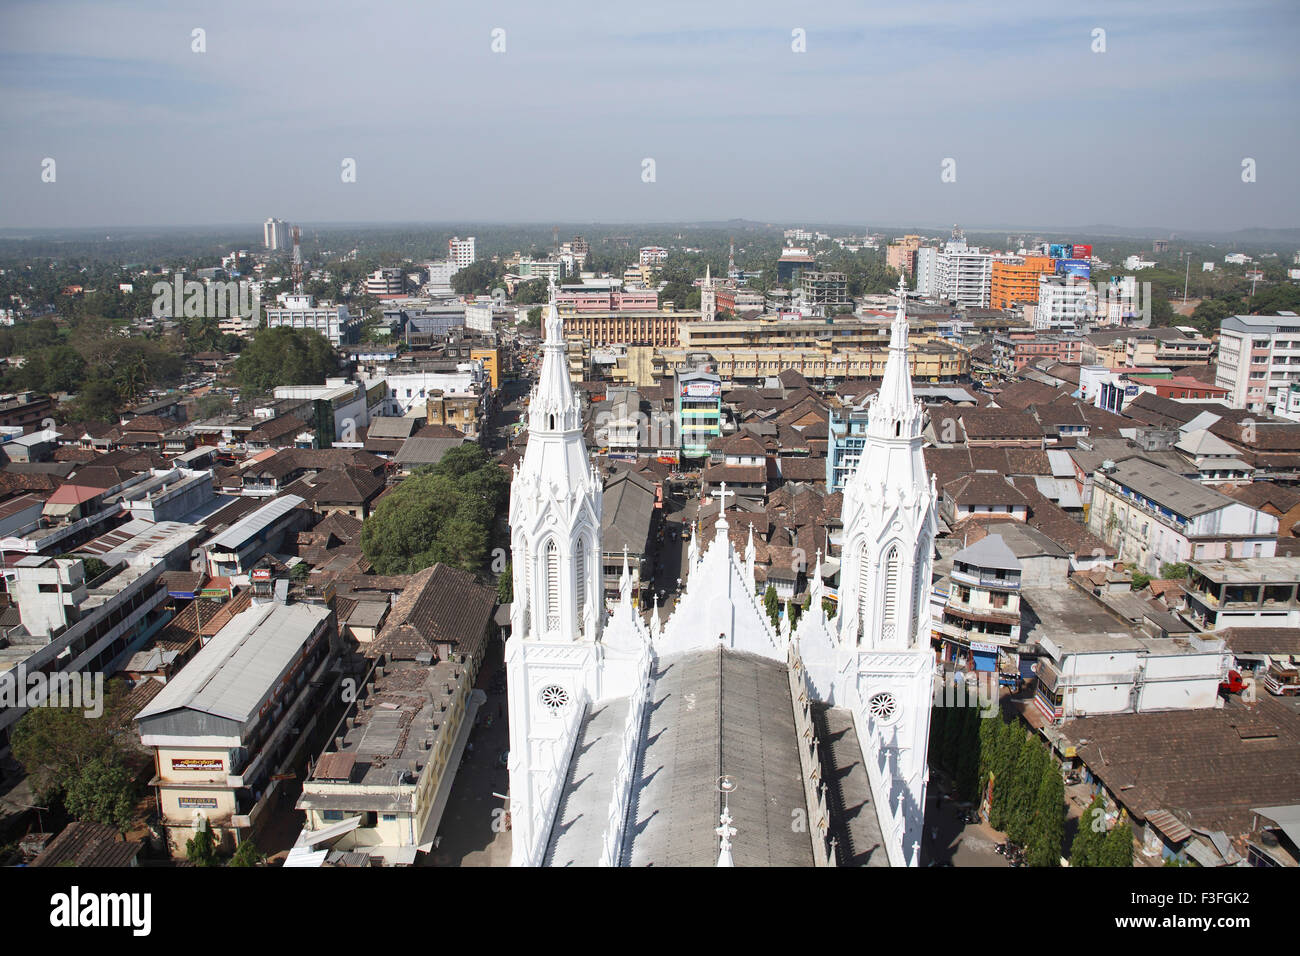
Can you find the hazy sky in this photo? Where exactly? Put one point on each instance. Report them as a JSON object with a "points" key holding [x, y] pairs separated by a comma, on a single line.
{"points": [[1044, 131]]}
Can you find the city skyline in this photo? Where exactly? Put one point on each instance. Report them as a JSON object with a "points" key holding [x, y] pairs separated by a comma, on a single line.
{"points": [[1042, 126]]}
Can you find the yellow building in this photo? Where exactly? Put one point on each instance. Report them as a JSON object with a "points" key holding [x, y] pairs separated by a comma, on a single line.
{"points": [[491, 359]]}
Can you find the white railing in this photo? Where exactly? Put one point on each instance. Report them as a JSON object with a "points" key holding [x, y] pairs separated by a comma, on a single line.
{"points": [[621, 799], [559, 754], [814, 786]]}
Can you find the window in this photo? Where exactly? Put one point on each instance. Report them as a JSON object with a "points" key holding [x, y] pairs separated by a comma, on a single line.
{"points": [[552, 586], [580, 568], [889, 606]]}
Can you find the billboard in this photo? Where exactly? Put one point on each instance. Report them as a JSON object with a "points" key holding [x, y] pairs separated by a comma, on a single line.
{"points": [[702, 390], [1059, 250], [1081, 251], [1074, 267]]}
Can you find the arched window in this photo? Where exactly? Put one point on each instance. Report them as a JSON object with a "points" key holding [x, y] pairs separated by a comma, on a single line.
{"points": [[864, 603], [551, 426], [527, 591], [552, 586], [920, 586], [580, 568], [889, 602]]}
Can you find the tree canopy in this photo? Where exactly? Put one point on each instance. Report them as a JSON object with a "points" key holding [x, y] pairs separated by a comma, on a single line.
{"points": [[284, 356], [442, 514]]}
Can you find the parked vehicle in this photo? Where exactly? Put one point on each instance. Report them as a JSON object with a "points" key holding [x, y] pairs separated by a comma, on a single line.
{"points": [[1282, 681], [1233, 685]]}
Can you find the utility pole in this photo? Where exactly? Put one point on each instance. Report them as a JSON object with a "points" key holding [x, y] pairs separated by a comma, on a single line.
{"points": [[1186, 275]]}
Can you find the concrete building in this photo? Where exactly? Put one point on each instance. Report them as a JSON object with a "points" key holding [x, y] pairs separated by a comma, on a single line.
{"points": [[237, 549], [1016, 283], [1259, 359], [275, 234], [234, 719], [301, 312], [981, 618], [1154, 517], [340, 408], [697, 406], [1064, 304], [965, 274], [461, 251], [823, 293], [1258, 592], [385, 282]]}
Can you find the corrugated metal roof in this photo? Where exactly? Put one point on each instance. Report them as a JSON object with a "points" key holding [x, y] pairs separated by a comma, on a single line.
{"points": [[233, 674], [246, 527]]}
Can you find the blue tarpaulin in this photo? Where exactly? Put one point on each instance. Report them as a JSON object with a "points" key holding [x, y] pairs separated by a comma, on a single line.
{"points": [[985, 660]]}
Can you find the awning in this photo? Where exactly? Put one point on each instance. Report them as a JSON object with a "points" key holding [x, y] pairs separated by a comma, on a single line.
{"points": [[1286, 818], [984, 660]]}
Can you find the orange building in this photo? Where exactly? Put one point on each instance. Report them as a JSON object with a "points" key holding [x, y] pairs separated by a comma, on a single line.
{"points": [[1018, 283]]}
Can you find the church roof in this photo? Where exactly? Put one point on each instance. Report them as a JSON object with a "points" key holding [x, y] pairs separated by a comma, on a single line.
{"points": [[718, 712]]}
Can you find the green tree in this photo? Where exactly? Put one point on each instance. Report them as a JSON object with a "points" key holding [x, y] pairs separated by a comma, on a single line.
{"points": [[532, 292], [284, 356], [1088, 839], [1117, 850], [103, 792], [1176, 571], [1047, 829], [772, 605], [1140, 580], [199, 849], [477, 278], [506, 584], [445, 513], [55, 744], [247, 854]]}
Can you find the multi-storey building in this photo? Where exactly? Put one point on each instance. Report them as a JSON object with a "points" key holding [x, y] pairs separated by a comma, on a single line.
{"points": [[301, 312], [1153, 517], [627, 327], [1260, 592], [1064, 304], [697, 402], [936, 363], [604, 297], [927, 271], [981, 618], [1259, 359], [275, 234], [1016, 283], [653, 255], [965, 274], [385, 282], [900, 254], [227, 725], [1014, 350], [461, 251], [824, 293]]}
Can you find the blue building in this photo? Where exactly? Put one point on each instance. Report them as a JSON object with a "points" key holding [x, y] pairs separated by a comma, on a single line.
{"points": [[848, 429]]}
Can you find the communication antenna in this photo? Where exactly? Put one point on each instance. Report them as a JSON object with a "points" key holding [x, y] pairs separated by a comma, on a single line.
{"points": [[296, 233]]}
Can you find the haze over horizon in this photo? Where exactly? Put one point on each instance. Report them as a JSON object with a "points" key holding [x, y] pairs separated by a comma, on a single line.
{"points": [[1149, 134]]}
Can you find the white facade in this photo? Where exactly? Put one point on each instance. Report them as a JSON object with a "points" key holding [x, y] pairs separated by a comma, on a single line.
{"points": [[965, 274], [564, 655], [461, 251], [927, 271], [332, 321], [1064, 303], [1259, 359], [408, 391], [275, 234]]}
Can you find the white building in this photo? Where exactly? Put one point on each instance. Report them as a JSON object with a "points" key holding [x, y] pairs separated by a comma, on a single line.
{"points": [[301, 312], [965, 274], [275, 234], [1237, 259], [1064, 303], [927, 271], [653, 255], [580, 681], [461, 251], [479, 317], [384, 282], [1134, 263], [1154, 517], [408, 391], [1259, 359]]}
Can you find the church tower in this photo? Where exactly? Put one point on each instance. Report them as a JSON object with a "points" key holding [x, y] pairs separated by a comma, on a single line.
{"points": [[553, 657], [708, 297], [883, 625]]}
